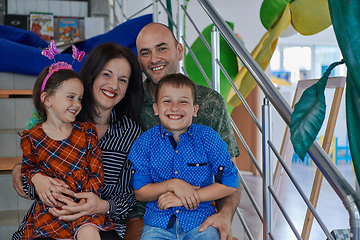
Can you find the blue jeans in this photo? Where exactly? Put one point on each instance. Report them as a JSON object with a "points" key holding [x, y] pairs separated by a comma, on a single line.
{"points": [[176, 232]]}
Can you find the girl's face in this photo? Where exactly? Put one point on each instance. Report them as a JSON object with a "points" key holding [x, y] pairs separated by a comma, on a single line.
{"points": [[65, 103], [111, 84]]}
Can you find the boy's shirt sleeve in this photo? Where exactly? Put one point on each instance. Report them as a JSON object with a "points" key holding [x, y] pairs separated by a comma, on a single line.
{"points": [[140, 157], [223, 168]]}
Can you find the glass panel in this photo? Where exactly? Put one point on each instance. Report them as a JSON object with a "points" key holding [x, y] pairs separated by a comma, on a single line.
{"points": [[297, 60], [324, 56]]}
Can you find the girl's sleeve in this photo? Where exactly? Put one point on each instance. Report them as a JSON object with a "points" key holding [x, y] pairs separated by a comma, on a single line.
{"points": [[95, 165], [30, 164], [223, 168]]}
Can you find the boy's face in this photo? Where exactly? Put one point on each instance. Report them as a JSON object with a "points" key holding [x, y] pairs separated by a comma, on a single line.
{"points": [[175, 107]]}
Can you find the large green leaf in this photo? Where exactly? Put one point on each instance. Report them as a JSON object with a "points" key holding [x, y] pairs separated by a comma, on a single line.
{"points": [[309, 114], [227, 59], [346, 23]]}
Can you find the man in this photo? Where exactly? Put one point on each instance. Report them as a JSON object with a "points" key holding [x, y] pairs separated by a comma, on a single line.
{"points": [[159, 54]]}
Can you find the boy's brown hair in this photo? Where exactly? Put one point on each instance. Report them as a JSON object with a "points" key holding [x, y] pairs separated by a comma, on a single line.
{"points": [[176, 80]]}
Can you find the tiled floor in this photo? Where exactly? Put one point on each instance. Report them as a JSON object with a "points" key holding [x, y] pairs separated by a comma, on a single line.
{"points": [[330, 208]]}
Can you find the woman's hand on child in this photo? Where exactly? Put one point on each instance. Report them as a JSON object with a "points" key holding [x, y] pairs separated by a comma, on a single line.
{"points": [[45, 187], [60, 212], [186, 193], [168, 200], [89, 204]]}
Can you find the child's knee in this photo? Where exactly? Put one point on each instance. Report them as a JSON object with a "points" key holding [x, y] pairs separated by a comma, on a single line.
{"points": [[88, 232]]}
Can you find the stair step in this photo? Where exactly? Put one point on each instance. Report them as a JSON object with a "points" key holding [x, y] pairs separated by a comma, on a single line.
{"points": [[7, 163], [7, 93], [10, 221]]}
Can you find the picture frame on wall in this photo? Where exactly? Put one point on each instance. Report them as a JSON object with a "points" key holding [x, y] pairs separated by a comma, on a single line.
{"points": [[42, 24], [68, 29]]}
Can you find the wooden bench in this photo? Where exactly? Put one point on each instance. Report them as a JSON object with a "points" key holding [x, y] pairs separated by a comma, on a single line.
{"points": [[7, 163], [7, 93]]}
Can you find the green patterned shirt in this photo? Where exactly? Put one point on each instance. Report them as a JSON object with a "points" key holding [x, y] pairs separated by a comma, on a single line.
{"points": [[212, 112]]}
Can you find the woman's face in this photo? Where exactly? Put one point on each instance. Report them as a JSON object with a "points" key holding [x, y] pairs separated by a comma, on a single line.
{"points": [[111, 83]]}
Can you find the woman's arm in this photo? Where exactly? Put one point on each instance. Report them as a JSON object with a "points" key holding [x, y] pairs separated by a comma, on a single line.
{"points": [[17, 181]]}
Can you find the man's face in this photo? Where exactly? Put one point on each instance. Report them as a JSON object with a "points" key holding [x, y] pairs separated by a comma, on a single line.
{"points": [[158, 53]]}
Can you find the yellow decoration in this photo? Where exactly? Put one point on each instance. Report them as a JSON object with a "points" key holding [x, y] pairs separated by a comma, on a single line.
{"points": [[309, 17], [262, 55]]}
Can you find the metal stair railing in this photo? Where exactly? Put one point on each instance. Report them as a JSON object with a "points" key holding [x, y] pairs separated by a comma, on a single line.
{"points": [[338, 183]]}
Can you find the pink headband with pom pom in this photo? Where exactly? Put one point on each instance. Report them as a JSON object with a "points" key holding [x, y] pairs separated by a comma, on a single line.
{"points": [[50, 52]]}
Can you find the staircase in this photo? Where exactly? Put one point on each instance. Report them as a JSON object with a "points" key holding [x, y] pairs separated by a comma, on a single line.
{"points": [[16, 107]]}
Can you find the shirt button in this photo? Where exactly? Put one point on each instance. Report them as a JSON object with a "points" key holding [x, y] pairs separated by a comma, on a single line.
{"points": [[177, 211], [197, 164], [177, 151], [221, 168], [167, 133], [176, 172]]}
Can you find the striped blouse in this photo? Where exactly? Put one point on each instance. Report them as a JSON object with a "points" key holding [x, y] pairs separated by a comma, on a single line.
{"points": [[115, 146]]}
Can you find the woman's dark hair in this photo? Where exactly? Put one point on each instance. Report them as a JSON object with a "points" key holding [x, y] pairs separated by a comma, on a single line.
{"points": [[95, 62], [52, 84]]}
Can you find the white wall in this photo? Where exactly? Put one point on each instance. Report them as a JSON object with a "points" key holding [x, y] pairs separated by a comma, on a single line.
{"points": [[58, 8]]}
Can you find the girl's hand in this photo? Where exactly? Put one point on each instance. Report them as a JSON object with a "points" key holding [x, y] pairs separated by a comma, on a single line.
{"points": [[168, 200], [186, 193], [45, 186], [89, 204]]}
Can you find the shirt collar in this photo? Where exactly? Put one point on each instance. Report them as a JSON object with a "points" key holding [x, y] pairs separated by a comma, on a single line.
{"points": [[164, 133]]}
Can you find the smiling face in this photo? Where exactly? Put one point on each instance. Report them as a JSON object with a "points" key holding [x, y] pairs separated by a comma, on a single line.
{"points": [[175, 107], [65, 103], [158, 52], [111, 84]]}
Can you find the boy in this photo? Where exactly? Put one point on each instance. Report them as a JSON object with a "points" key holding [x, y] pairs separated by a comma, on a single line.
{"points": [[174, 164]]}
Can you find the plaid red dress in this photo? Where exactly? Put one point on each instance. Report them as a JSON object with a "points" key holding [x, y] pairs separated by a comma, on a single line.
{"points": [[77, 161]]}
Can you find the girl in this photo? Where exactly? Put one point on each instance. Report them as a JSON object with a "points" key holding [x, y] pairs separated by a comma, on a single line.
{"points": [[58, 153]]}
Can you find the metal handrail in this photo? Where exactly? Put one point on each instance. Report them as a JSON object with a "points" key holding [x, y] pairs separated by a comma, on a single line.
{"points": [[343, 189]]}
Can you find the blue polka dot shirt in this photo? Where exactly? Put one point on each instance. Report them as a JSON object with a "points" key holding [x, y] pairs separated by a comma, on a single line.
{"points": [[199, 156]]}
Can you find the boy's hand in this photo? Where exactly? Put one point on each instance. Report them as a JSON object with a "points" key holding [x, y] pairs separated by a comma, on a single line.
{"points": [[45, 186], [168, 200], [186, 193]]}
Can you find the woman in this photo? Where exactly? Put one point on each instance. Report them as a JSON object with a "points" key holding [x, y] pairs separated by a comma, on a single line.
{"points": [[113, 95]]}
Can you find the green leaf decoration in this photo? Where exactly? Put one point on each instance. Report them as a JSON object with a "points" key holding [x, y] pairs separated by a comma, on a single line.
{"points": [[227, 59], [346, 22], [309, 114]]}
